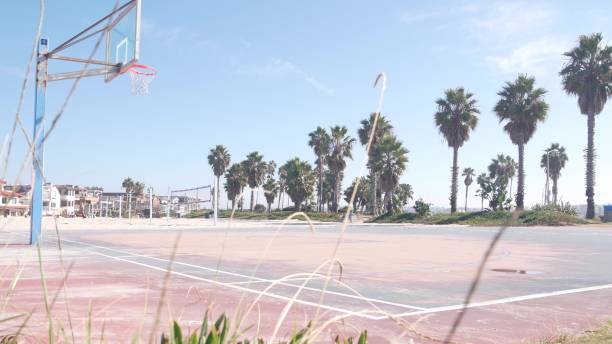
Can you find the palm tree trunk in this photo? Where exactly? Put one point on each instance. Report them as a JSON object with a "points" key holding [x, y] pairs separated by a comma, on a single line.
{"points": [[554, 190], [511, 179], [280, 196], [455, 176], [590, 167], [373, 204], [252, 205], [217, 195], [320, 198], [241, 200], [388, 203], [520, 192], [481, 203], [336, 188], [466, 197]]}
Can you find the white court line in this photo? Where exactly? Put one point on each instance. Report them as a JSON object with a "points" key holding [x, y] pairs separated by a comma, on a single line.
{"points": [[248, 290], [250, 277], [297, 279], [506, 300], [360, 314]]}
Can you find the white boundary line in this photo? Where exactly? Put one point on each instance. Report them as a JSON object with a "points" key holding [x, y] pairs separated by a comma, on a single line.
{"points": [[506, 300], [249, 277], [248, 290]]}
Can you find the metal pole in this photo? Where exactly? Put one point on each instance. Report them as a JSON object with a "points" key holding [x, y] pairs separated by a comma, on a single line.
{"points": [[150, 204], [37, 142], [130, 206], [215, 204], [120, 204], [168, 205], [547, 176]]}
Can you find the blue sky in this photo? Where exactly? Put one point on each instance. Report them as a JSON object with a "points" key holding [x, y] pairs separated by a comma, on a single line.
{"points": [[262, 75]]}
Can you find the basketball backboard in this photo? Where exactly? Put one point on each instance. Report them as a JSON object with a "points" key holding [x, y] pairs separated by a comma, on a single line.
{"points": [[123, 40]]}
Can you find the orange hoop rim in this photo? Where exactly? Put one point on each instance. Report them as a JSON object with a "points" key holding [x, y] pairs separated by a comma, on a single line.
{"points": [[141, 69]]}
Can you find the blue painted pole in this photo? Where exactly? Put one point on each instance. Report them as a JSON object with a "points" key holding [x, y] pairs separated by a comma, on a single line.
{"points": [[37, 141]]}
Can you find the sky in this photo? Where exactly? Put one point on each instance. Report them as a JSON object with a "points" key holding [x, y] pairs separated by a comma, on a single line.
{"points": [[259, 76]]}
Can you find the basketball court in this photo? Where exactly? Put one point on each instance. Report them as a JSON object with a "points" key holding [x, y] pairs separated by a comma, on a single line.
{"points": [[394, 278]]}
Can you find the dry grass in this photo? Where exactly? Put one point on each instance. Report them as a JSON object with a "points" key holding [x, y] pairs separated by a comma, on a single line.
{"points": [[601, 335]]}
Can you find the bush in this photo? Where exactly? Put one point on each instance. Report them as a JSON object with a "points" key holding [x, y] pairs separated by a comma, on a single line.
{"points": [[422, 208], [565, 208], [260, 208]]}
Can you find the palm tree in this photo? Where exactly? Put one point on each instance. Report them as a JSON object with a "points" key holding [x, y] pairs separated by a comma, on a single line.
{"points": [[588, 75], [553, 161], [382, 127], [390, 157], [341, 146], [456, 118], [255, 170], [282, 184], [481, 180], [320, 143], [469, 174], [522, 106], [511, 172], [235, 181], [300, 181], [270, 190], [128, 185], [219, 159], [270, 169]]}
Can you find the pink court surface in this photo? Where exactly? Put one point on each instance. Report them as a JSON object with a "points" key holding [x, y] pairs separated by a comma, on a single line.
{"points": [[411, 280]]}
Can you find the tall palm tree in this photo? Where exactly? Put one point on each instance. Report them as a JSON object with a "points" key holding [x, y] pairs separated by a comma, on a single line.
{"points": [[219, 159], [511, 172], [341, 147], [282, 184], [255, 170], [469, 174], [383, 126], [553, 161], [456, 118], [521, 106], [588, 75], [320, 143], [235, 181], [389, 157]]}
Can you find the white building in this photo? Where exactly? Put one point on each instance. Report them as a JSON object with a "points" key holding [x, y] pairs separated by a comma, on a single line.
{"points": [[51, 200], [67, 199]]}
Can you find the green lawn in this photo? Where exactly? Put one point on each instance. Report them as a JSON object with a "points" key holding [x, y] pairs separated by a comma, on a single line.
{"points": [[275, 215], [488, 218]]}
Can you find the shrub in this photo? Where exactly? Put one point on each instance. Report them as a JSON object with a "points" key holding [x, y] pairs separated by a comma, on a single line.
{"points": [[422, 208], [565, 208], [260, 208]]}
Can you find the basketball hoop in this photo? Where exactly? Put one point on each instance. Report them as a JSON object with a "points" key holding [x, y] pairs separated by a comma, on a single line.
{"points": [[141, 76]]}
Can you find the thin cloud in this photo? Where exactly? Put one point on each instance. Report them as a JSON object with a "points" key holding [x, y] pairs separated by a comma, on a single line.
{"points": [[280, 68], [535, 57], [171, 35]]}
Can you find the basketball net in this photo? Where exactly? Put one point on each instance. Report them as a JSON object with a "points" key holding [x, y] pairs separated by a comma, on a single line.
{"points": [[141, 77]]}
